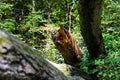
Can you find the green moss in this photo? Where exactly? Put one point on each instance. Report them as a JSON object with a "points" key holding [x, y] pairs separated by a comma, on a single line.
{"points": [[63, 68], [4, 42]]}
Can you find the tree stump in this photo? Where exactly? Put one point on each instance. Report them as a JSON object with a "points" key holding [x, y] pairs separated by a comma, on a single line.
{"points": [[66, 45]]}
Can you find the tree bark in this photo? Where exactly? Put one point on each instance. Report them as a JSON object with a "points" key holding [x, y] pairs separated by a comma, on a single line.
{"points": [[90, 19], [33, 6], [49, 10], [67, 46], [68, 14], [19, 62]]}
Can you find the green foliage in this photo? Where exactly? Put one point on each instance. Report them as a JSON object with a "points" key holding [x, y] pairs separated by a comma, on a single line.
{"points": [[31, 21], [112, 42], [5, 10], [8, 24], [38, 36], [111, 14], [109, 67], [6, 21]]}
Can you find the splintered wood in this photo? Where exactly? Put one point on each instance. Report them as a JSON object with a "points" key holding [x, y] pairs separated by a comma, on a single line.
{"points": [[66, 45]]}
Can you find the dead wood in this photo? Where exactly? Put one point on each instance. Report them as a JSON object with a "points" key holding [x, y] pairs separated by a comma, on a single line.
{"points": [[67, 46]]}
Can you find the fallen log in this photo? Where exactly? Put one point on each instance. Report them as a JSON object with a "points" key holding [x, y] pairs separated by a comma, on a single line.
{"points": [[20, 62]]}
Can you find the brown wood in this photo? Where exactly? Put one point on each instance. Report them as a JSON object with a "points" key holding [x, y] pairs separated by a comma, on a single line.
{"points": [[67, 46], [90, 19]]}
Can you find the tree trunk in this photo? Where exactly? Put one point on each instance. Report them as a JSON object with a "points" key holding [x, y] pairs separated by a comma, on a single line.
{"points": [[20, 10], [90, 18], [33, 6], [67, 46], [49, 10], [33, 12], [19, 62], [68, 14]]}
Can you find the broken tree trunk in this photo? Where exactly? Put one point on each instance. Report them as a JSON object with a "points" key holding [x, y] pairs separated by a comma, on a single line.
{"points": [[67, 46]]}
